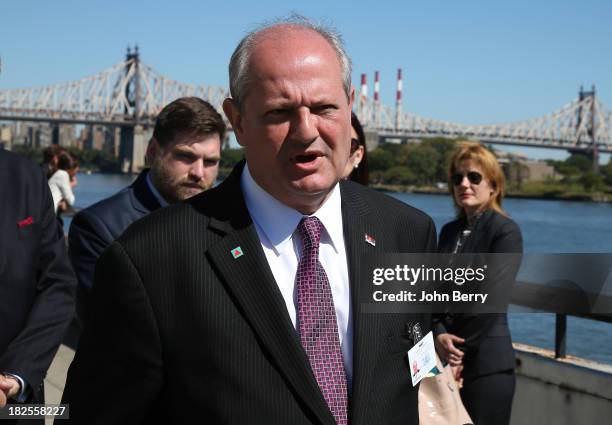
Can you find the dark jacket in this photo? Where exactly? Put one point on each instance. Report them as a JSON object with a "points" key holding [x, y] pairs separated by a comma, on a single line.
{"points": [[488, 344], [183, 332], [36, 281], [93, 229]]}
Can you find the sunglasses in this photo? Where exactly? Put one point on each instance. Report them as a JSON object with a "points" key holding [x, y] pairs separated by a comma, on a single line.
{"points": [[354, 145], [474, 177]]}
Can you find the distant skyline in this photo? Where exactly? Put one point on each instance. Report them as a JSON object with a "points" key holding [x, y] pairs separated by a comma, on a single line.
{"points": [[470, 62]]}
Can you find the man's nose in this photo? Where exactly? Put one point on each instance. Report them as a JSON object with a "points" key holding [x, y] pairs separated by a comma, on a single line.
{"points": [[197, 170], [304, 126]]}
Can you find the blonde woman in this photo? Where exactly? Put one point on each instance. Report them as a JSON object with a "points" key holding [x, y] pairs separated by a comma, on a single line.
{"points": [[480, 345]]}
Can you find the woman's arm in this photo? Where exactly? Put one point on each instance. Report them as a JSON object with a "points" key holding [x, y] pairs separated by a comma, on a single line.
{"points": [[508, 239], [66, 188]]}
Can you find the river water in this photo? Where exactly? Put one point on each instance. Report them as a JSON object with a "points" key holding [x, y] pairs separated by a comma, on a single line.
{"points": [[547, 226]]}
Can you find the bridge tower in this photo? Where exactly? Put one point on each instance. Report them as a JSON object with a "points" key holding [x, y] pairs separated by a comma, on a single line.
{"points": [[588, 115], [55, 134], [398, 100], [133, 140]]}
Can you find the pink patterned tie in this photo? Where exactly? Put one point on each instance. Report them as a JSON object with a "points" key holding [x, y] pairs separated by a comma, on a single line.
{"points": [[317, 322]]}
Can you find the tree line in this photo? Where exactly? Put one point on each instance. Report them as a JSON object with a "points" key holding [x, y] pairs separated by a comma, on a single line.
{"points": [[423, 164], [89, 159]]}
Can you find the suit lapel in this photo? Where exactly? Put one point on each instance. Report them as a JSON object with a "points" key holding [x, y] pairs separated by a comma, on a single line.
{"points": [[243, 267], [358, 221], [143, 199]]}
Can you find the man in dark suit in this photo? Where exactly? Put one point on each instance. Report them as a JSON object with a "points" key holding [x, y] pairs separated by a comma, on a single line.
{"points": [[36, 281], [184, 156], [242, 305]]}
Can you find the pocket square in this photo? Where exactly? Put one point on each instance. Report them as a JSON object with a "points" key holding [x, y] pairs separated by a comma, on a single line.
{"points": [[25, 222]]}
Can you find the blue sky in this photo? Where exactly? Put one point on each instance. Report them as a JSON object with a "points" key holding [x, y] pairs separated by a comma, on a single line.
{"points": [[468, 61]]}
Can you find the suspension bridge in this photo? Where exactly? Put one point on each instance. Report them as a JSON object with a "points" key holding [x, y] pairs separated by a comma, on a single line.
{"points": [[130, 94]]}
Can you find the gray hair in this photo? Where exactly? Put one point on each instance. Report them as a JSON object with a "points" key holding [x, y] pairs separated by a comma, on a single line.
{"points": [[240, 60]]}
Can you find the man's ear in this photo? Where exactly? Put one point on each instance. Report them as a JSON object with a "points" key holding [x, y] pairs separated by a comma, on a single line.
{"points": [[234, 116], [352, 98], [153, 149]]}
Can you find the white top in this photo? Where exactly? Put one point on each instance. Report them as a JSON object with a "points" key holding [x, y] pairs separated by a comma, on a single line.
{"points": [[276, 226], [59, 183]]}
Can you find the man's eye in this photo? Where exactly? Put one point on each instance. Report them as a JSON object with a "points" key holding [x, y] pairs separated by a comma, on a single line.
{"points": [[211, 162], [277, 112], [184, 156], [324, 109]]}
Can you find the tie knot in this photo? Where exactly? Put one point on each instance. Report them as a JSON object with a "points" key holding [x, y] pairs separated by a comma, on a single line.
{"points": [[310, 230]]}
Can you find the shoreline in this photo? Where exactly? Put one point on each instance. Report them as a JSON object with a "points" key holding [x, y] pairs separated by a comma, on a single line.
{"points": [[597, 198]]}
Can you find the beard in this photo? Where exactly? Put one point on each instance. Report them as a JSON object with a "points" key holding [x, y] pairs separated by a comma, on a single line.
{"points": [[175, 188]]}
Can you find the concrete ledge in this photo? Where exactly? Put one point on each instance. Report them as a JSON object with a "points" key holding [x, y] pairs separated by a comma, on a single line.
{"points": [[569, 391]]}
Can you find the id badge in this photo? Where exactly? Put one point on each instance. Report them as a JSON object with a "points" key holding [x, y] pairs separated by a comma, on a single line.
{"points": [[422, 358]]}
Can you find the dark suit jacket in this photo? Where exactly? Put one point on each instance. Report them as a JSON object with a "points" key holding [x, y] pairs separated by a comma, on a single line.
{"points": [[184, 333], [92, 231], [36, 282], [488, 344]]}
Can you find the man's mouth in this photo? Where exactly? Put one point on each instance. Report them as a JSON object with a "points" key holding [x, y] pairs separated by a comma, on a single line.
{"points": [[307, 157], [192, 186], [303, 159]]}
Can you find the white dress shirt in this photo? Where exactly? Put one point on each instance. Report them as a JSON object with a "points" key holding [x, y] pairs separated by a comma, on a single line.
{"points": [[276, 226]]}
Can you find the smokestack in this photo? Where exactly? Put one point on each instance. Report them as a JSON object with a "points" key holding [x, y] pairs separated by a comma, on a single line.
{"points": [[364, 88], [376, 86]]}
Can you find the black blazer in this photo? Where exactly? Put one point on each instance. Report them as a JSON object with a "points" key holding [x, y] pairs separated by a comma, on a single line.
{"points": [[36, 282], [183, 333], [488, 344]]}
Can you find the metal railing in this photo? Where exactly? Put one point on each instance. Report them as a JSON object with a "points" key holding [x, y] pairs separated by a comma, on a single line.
{"points": [[572, 302]]}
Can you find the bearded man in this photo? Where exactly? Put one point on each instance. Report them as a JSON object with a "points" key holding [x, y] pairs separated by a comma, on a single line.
{"points": [[183, 156]]}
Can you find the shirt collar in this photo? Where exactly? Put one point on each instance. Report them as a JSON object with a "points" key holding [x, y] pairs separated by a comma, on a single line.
{"points": [[160, 199], [278, 221]]}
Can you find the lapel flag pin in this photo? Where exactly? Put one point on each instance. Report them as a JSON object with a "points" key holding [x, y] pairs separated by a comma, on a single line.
{"points": [[237, 252], [370, 239]]}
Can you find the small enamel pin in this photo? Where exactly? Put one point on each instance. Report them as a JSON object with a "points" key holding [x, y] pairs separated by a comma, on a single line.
{"points": [[370, 239], [237, 252]]}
